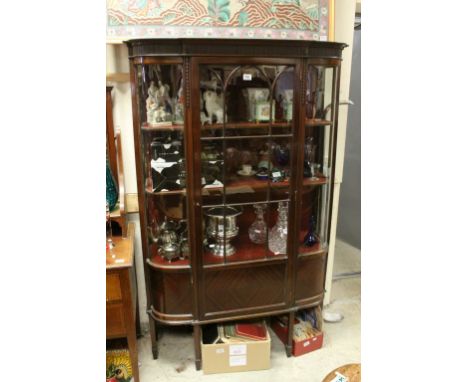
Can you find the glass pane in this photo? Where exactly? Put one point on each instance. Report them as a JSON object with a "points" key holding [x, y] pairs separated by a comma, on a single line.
{"points": [[246, 121], [320, 111], [244, 233], [161, 103]]}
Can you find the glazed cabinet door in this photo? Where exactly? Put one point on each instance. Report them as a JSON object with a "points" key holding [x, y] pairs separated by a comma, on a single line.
{"points": [[160, 133], [316, 180], [244, 116]]}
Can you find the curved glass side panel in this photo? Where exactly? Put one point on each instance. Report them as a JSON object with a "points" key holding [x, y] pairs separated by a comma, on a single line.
{"points": [[318, 157], [162, 148]]}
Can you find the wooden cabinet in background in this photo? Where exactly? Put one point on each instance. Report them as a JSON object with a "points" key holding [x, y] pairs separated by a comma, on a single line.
{"points": [[122, 318]]}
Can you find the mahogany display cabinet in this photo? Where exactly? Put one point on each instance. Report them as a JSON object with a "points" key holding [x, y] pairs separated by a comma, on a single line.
{"points": [[235, 144]]}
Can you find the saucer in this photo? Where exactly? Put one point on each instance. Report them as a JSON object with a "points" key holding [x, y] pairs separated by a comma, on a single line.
{"points": [[262, 175], [242, 173]]}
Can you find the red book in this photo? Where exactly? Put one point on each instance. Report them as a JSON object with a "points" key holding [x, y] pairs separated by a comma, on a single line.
{"points": [[253, 331]]}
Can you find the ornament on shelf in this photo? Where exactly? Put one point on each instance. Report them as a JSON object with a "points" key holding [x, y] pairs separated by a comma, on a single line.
{"points": [[310, 238], [277, 238], [168, 240], [214, 105], [258, 229], [158, 108], [179, 104], [222, 227]]}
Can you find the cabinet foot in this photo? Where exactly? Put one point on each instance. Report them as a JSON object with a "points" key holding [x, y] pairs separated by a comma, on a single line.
{"points": [[198, 364], [288, 351]]}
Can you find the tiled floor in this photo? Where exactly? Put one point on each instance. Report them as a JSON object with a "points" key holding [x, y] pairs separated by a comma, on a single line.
{"points": [[342, 342]]}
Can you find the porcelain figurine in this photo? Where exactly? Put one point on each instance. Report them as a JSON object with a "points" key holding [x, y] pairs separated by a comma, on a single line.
{"points": [[287, 104], [158, 108], [179, 104], [214, 106], [203, 118]]}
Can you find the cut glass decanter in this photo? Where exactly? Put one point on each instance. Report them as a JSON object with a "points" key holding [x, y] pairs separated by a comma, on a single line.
{"points": [[258, 229], [277, 240]]}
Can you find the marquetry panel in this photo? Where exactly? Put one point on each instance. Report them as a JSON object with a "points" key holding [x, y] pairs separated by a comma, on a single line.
{"points": [[172, 292], [243, 288], [310, 276]]}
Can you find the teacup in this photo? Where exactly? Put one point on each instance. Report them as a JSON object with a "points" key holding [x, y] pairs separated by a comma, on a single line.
{"points": [[246, 168]]}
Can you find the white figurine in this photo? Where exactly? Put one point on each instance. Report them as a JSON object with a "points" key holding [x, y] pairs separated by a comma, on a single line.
{"points": [[157, 103], [203, 118], [214, 106], [160, 114], [162, 94]]}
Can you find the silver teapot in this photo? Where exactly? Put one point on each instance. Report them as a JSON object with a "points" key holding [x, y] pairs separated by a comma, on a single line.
{"points": [[168, 241]]}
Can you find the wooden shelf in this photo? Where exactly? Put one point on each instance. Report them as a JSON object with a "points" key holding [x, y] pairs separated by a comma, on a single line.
{"points": [[163, 127], [317, 122], [256, 184], [246, 125], [158, 262], [244, 183], [166, 193], [246, 251]]}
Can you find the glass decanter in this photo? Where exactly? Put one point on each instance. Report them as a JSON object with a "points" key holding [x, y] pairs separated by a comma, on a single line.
{"points": [[258, 229], [310, 239], [277, 240]]}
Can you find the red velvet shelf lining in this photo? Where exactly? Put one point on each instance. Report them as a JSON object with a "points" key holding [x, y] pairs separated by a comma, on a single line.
{"points": [[246, 250], [304, 249]]}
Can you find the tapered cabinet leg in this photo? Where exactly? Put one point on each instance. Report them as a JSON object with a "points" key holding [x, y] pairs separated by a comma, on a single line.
{"points": [[290, 334], [154, 337], [137, 320], [197, 345]]}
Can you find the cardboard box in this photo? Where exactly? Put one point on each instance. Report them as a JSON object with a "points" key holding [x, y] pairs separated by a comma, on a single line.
{"points": [[229, 358], [298, 347]]}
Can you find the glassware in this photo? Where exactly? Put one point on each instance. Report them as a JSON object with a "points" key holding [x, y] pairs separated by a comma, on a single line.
{"points": [[258, 229], [309, 157], [310, 239], [277, 239], [281, 153], [112, 192]]}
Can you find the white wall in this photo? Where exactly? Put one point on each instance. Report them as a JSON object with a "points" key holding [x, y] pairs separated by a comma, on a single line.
{"points": [[117, 62], [344, 32]]}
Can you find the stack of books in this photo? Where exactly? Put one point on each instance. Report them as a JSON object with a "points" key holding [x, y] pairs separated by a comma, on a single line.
{"points": [[235, 333]]}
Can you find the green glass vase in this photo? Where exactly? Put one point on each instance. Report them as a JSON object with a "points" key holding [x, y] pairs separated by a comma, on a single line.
{"points": [[112, 192]]}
